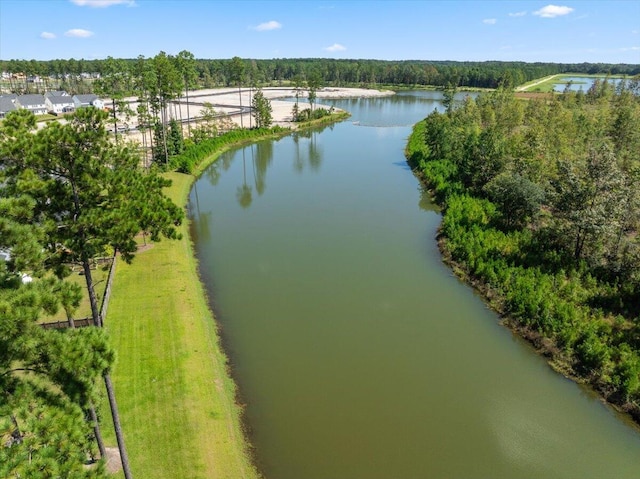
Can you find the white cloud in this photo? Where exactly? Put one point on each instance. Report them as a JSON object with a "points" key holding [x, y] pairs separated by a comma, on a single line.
{"points": [[630, 49], [336, 47], [103, 3], [490, 21], [48, 35], [78, 33], [266, 26], [635, 32], [552, 11], [518, 14]]}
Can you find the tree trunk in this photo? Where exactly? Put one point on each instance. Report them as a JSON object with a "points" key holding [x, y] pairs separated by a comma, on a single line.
{"points": [[124, 458], [151, 144], [93, 300], [71, 322], [240, 99], [92, 410], [250, 106], [97, 320], [163, 114], [96, 431], [188, 115], [144, 144], [181, 119]]}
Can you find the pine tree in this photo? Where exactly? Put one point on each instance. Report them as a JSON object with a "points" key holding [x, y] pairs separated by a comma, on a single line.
{"points": [[89, 195], [47, 377], [261, 110]]}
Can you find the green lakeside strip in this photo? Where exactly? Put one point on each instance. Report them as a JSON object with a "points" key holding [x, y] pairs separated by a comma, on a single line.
{"points": [[547, 84], [177, 400]]}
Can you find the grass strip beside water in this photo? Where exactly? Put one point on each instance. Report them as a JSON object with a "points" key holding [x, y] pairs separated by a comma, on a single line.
{"points": [[176, 398], [549, 83]]}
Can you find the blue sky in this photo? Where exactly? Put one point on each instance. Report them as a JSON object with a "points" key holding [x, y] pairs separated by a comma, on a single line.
{"points": [[562, 31]]}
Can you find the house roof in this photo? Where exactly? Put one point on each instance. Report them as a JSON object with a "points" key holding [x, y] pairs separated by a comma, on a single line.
{"points": [[31, 100], [60, 100], [86, 98], [57, 93], [6, 104]]}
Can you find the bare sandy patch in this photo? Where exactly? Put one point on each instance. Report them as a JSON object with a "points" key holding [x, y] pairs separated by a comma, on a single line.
{"points": [[228, 101]]}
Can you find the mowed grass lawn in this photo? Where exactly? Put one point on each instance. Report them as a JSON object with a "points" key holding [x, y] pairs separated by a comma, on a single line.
{"points": [[176, 400]]}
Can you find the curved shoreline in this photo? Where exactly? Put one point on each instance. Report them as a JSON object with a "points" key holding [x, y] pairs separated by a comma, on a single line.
{"points": [[542, 345]]}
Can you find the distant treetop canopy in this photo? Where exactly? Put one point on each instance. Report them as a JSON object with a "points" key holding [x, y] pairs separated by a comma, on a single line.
{"points": [[220, 72]]}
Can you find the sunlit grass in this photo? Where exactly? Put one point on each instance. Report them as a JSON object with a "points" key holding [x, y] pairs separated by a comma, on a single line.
{"points": [[176, 400]]}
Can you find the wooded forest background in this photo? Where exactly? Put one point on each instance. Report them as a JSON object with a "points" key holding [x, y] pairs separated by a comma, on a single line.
{"points": [[76, 74]]}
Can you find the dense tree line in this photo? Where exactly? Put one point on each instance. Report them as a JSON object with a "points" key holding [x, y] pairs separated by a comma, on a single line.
{"points": [[222, 72], [67, 195], [542, 209]]}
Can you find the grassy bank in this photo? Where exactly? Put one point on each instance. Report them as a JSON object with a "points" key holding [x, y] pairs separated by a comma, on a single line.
{"points": [[177, 401]]}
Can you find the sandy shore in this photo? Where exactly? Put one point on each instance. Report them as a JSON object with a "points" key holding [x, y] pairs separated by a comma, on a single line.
{"points": [[227, 101]]}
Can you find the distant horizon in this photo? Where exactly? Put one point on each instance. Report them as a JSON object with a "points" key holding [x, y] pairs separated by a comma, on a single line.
{"points": [[571, 32], [410, 60]]}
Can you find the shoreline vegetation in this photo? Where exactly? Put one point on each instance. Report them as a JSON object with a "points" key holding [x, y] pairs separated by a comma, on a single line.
{"points": [[539, 221], [178, 401]]}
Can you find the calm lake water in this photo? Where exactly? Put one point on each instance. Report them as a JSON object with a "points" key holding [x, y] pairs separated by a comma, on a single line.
{"points": [[581, 83], [357, 353]]}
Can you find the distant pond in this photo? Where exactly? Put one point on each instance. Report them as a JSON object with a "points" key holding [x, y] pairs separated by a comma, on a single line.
{"points": [[580, 83]]}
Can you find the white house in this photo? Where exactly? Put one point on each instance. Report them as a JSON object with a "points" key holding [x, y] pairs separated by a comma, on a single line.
{"points": [[90, 99], [58, 104], [34, 103]]}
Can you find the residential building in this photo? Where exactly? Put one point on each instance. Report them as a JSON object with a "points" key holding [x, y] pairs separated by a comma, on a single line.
{"points": [[88, 100], [7, 104], [59, 104], [34, 103]]}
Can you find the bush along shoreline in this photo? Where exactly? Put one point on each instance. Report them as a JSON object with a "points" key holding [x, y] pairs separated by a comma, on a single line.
{"points": [[190, 159], [541, 212]]}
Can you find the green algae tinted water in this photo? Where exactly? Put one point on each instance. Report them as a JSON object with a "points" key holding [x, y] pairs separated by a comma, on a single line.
{"points": [[357, 353]]}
